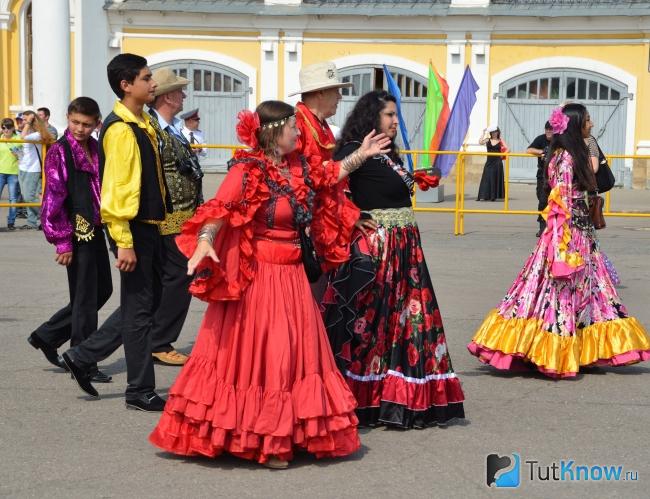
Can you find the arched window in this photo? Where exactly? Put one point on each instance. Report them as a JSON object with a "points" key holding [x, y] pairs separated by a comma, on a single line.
{"points": [[219, 92], [413, 88]]}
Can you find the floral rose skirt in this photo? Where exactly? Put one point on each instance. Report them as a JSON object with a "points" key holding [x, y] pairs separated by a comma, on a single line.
{"points": [[386, 330]]}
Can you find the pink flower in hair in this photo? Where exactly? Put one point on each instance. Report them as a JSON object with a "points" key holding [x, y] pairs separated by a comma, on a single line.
{"points": [[558, 121], [248, 123]]}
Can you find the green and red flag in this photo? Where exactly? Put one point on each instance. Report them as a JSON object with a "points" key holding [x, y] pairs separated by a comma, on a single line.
{"points": [[436, 114]]}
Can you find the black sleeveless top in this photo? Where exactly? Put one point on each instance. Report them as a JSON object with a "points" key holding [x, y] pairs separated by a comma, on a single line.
{"points": [[375, 185]]}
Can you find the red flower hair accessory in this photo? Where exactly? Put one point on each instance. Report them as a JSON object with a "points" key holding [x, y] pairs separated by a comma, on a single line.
{"points": [[248, 123]]}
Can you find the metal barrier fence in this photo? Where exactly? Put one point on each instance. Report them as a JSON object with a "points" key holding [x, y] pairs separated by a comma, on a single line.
{"points": [[458, 210]]}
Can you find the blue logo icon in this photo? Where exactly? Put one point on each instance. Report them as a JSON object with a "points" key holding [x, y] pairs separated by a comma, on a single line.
{"points": [[506, 467]]}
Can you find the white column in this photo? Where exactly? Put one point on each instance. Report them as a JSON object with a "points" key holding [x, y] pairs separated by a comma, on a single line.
{"points": [[455, 66], [480, 70], [91, 52], [292, 65], [6, 17], [268, 65], [51, 57]]}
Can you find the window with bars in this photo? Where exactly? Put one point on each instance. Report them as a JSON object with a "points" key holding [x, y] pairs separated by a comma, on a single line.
{"points": [[362, 84], [204, 80], [538, 88], [585, 89], [574, 88]]}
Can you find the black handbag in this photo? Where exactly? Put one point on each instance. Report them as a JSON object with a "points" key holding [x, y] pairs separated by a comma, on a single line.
{"points": [[604, 176], [310, 259]]}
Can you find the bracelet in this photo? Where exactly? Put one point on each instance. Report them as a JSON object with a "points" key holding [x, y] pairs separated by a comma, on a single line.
{"points": [[353, 161], [207, 233]]}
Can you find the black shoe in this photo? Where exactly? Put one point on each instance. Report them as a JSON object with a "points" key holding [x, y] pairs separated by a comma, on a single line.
{"points": [[62, 364], [11, 227], [81, 376], [48, 350], [149, 402], [96, 376], [539, 232]]}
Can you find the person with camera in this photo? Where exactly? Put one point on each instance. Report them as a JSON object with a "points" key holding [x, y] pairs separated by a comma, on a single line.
{"points": [[183, 175]]}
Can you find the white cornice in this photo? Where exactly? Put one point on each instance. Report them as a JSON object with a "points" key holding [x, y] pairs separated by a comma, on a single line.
{"points": [[383, 24]]}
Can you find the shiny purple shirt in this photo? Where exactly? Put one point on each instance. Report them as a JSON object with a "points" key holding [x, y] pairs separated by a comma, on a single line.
{"points": [[55, 218]]}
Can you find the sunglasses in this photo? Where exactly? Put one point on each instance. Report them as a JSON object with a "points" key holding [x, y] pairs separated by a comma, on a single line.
{"points": [[7, 127], [193, 119]]}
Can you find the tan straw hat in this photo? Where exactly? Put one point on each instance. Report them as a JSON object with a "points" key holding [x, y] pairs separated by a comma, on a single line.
{"points": [[167, 81], [319, 76]]}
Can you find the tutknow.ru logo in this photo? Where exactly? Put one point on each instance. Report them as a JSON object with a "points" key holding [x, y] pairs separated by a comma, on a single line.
{"points": [[506, 471]]}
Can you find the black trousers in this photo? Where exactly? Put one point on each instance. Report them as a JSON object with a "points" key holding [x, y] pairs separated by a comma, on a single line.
{"points": [[171, 303], [137, 304], [542, 201], [100, 344], [171, 297], [90, 287]]}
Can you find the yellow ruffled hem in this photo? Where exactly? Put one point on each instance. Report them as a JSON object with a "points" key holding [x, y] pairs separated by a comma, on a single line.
{"points": [[525, 338]]}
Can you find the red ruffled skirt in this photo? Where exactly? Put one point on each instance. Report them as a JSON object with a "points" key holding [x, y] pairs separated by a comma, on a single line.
{"points": [[261, 380]]}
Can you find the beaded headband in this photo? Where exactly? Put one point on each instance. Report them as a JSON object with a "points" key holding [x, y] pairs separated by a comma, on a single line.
{"points": [[275, 124]]}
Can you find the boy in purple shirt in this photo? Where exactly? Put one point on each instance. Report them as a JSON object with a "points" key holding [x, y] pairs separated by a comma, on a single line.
{"points": [[71, 222]]}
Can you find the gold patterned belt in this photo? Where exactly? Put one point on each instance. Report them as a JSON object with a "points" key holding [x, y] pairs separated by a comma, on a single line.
{"points": [[393, 217]]}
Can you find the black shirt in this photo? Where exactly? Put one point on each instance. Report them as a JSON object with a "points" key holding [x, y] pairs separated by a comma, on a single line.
{"points": [[542, 143], [375, 185]]}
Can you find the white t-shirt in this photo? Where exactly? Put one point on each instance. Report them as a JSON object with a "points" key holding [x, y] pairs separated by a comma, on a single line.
{"points": [[30, 161]]}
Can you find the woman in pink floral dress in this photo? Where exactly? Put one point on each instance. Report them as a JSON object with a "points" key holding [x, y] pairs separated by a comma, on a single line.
{"points": [[562, 312]]}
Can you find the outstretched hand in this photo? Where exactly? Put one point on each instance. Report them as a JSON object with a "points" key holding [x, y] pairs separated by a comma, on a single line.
{"points": [[374, 144], [202, 250]]}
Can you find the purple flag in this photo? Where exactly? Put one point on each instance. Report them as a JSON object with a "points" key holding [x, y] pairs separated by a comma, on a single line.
{"points": [[458, 123]]}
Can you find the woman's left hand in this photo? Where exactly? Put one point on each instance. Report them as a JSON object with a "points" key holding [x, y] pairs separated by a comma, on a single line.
{"points": [[374, 144], [366, 224]]}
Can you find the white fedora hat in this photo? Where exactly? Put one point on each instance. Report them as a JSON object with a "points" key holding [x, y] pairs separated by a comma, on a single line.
{"points": [[319, 76], [167, 81]]}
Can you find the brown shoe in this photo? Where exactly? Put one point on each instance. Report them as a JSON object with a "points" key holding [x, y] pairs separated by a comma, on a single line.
{"points": [[172, 358], [275, 463]]}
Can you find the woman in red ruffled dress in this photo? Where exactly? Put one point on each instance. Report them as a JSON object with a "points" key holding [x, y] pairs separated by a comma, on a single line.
{"points": [[261, 380]]}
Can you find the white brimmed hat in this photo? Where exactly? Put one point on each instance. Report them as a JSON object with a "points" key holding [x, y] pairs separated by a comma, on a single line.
{"points": [[492, 128], [167, 81], [319, 76]]}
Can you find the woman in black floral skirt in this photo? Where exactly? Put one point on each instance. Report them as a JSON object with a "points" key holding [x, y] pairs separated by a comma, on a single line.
{"points": [[381, 312]]}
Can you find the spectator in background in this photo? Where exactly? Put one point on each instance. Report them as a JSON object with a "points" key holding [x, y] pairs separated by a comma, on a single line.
{"points": [[22, 211], [539, 147], [192, 132], [492, 185], [98, 128], [44, 114], [29, 166], [9, 167]]}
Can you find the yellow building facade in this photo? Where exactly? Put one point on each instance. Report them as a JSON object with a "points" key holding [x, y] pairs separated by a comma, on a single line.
{"points": [[525, 57]]}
